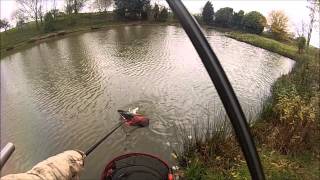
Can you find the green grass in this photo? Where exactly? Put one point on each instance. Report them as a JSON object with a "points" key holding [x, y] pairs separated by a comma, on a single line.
{"points": [[277, 166], [266, 43], [13, 37], [197, 170], [288, 50]]}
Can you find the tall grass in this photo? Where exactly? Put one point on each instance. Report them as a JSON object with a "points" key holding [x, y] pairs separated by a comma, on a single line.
{"points": [[207, 143], [287, 130]]}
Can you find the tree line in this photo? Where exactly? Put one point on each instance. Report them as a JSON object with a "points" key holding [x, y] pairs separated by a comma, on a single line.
{"points": [[140, 10], [276, 24], [33, 10]]}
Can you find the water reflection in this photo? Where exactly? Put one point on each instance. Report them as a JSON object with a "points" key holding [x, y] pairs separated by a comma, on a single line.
{"points": [[64, 94]]}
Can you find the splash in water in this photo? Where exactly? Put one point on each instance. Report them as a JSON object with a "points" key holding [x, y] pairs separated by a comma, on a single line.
{"points": [[134, 111]]}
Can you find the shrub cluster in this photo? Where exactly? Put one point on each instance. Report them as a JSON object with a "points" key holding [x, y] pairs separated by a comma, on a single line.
{"points": [[49, 22], [253, 22], [295, 121]]}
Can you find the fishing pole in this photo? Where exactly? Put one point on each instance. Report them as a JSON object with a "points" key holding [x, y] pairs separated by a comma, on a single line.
{"points": [[222, 85], [129, 120], [94, 146]]}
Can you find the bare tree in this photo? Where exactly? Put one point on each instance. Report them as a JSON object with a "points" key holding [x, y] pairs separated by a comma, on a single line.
{"points": [[102, 5], [78, 5], [68, 7], [54, 5], [314, 7], [31, 8], [54, 9], [40, 11], [4, 24], [301, 29], [74, 6], [19, 17]]}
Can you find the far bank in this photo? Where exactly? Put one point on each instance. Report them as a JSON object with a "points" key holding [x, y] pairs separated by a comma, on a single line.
{"points": [[17, 39]]}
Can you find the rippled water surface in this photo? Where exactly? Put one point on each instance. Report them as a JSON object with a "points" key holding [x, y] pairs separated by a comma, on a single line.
{"points": [[63, 94]]}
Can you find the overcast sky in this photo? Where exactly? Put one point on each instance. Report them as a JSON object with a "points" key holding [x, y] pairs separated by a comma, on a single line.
{"points": [[296, 10]]}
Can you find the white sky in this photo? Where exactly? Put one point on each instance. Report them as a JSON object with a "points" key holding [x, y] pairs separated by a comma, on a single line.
{"points": [[296, 10]]}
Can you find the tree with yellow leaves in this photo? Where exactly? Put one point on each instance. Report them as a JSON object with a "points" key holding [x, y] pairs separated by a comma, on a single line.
{"points": [[278, 24]]}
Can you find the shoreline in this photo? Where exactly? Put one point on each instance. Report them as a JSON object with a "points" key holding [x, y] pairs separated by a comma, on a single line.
{"points": [[276, 129], [65, 33]]}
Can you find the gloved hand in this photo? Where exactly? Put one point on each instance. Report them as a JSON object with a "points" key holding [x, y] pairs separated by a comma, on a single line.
{"points": [[63, 166]]}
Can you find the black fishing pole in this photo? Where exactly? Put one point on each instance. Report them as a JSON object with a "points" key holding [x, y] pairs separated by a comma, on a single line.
{"points": [[94, 146], [126, 117], [223, 86]]}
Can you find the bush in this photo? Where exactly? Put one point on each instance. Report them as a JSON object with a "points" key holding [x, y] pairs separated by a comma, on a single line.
{"points": [[207, 13], [293, 109], [20, 23], [301, 41], [254, 22], [55, 13], [296, 121], [49, 22], [224, 16]]}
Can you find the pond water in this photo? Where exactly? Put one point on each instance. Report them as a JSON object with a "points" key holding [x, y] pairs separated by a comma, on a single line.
{"points": [[64, 94]]}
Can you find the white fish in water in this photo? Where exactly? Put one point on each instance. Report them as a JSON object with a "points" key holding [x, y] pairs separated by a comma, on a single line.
{"points": [[134, 111], [175, 168]]}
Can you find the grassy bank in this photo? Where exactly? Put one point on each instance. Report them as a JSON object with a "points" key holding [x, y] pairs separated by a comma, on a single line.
{"points": [[30, 33], [16, 39], [286, 135]]}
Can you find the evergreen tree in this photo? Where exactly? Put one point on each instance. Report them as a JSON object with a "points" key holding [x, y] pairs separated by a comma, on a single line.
{"points": [[224, 17], [237, 18], [163, 16], [207, 13]]}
